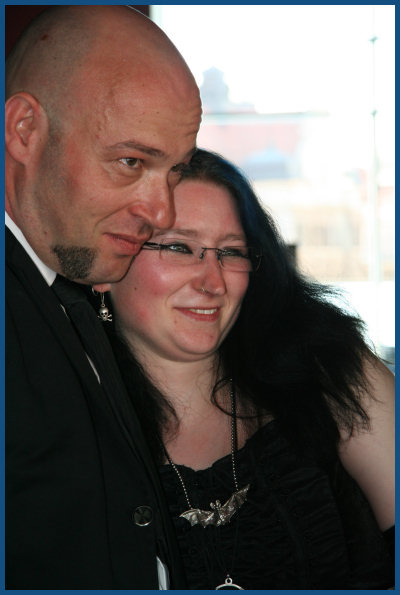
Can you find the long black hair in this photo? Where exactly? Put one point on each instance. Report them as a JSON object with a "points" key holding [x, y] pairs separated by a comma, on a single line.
{"points": [[294, 354]]}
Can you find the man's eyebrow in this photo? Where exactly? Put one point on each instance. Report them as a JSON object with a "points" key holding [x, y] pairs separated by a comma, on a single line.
{"points": [[129, 144]]}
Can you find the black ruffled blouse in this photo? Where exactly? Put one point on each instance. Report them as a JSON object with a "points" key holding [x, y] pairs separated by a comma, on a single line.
{"points": [[302, 526]]}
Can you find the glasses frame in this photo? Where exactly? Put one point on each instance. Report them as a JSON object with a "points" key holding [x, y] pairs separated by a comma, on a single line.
{"points": [[219, 253]]}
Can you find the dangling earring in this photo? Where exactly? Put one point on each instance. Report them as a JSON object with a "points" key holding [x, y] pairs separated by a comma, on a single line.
{"points": [[104, 312]]}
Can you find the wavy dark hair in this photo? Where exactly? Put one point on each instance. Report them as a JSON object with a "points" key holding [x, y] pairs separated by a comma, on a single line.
{"points": [[294, 353]]}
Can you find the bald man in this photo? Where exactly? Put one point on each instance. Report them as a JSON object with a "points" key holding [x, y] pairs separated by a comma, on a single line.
{"points": [[101, 116]]}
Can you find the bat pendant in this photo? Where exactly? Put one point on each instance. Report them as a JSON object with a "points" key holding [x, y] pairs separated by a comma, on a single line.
{"points": [[220, 514]]}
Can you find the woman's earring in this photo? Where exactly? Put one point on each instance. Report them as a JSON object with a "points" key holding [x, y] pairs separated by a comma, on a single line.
{"points": [[104, 313]]}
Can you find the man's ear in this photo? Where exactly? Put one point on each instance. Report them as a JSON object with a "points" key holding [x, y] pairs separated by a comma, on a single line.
{"points": [[25, 126]]}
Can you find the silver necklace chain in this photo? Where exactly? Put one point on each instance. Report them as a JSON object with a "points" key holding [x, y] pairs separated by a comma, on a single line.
{"points": [[233, 449], [175, 468], [220, 514], [233, 435]]}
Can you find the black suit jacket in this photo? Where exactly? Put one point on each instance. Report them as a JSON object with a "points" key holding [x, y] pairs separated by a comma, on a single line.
{"points": [[77, 466]]}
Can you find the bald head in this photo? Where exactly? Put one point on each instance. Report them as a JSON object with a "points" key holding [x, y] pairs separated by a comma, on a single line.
{"points": [[68, 44]]}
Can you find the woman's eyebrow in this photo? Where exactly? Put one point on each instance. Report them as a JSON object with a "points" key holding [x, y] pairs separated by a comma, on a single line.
{"points": [[193, 234], [189, 233]]}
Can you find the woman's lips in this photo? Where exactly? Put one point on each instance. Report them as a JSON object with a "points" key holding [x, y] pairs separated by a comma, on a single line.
{"points": [[201, 314]]}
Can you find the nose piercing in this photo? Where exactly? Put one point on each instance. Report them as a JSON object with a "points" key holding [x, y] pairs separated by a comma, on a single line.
{"points": [[204, 290]]}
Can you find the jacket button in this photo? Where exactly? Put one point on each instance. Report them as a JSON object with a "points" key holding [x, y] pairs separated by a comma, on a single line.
{"points": [[143, 516]]}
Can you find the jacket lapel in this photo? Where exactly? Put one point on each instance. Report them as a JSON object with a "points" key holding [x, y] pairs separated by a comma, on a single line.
{"points": [[47, 304]]}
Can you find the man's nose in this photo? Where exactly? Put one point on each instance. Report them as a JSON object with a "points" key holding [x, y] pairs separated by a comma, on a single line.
{"points": [[155, 204]]}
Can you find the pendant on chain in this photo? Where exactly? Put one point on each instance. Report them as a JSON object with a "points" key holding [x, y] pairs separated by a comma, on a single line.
{"points": [[228, 584], [220, 514]]}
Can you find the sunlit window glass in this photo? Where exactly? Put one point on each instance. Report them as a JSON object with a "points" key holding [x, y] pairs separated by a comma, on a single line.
{"points": [[302, 99]]}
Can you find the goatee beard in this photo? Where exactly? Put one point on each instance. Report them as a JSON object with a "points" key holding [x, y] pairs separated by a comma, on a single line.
{"points": [[75, 261]]}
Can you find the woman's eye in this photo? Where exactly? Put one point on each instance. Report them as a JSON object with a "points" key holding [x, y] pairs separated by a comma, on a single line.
{"points": [[183, 248], [239, 252], [131, 162]]}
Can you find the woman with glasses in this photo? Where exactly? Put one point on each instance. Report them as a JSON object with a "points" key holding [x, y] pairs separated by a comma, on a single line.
{"points": [[269, 416]]}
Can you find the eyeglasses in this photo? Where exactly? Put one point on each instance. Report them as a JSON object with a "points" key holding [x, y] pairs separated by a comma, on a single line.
{"points": [[240, 259]]}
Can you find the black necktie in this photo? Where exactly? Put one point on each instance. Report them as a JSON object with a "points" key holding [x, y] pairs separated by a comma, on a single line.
{"points": [[87, 325], [96, 344]]}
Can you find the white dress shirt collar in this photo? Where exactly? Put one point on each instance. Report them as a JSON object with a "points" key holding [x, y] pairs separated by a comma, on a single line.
{"points": [[48, 274]]}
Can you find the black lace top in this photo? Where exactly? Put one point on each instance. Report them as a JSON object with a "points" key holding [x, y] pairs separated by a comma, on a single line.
{"points": [[302, 526]]}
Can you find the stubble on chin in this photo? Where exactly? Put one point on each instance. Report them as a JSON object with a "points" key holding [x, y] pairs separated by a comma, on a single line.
{"points": [[76, 262]]}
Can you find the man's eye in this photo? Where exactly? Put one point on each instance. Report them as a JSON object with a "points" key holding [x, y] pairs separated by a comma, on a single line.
{"points": [[131, 162], [179, 169]]}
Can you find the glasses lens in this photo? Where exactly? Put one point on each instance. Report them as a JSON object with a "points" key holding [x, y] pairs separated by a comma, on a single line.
{"points": [[179, 252], [188, 252], [239, 258]]}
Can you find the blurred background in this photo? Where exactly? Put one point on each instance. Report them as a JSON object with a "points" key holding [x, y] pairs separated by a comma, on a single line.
{"points": [[301, 97]]}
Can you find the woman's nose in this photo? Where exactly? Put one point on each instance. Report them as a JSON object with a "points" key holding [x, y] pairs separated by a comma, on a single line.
{"points": [[210, 276]]}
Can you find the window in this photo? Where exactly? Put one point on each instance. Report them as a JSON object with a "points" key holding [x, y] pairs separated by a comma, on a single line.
{"points": [[302, 99]]}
